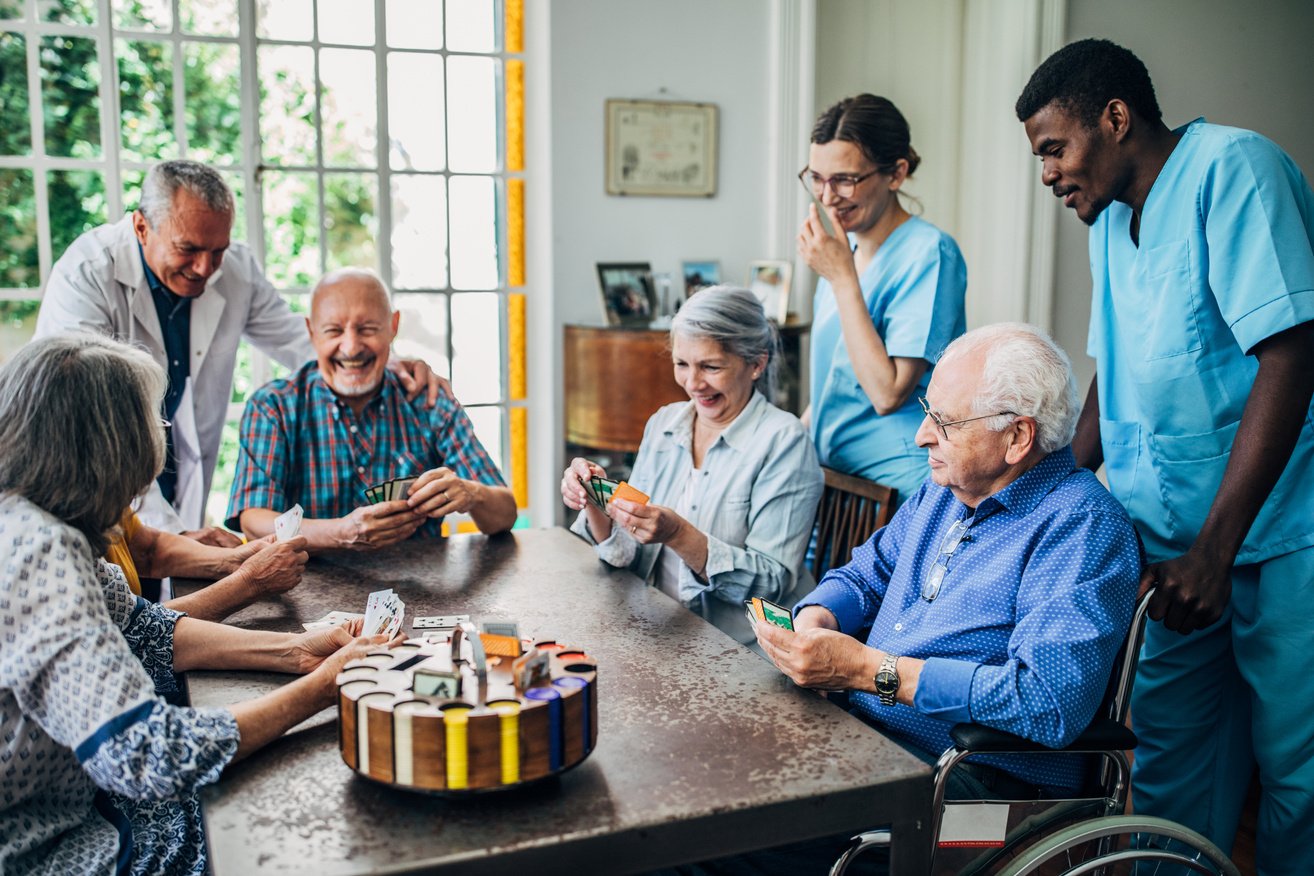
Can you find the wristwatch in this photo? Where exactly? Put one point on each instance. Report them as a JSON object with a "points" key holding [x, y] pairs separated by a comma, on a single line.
{"points": [[887, 680]]}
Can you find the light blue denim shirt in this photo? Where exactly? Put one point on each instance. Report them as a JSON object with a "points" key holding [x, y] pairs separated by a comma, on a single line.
{"points": [[755, 501]]}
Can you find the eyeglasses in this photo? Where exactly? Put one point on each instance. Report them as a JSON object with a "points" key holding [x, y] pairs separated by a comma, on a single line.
{"points": [[944, 426], [956, 535], [841, 184]]}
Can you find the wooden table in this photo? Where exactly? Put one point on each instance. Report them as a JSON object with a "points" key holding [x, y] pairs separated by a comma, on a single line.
{"points": [[704, 749]]}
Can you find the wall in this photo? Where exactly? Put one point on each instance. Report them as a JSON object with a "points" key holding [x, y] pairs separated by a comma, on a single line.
{"points": [[1245, 64]]}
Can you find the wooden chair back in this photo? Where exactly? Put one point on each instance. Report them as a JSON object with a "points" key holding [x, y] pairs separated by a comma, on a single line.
{"points": [[851, 509]]}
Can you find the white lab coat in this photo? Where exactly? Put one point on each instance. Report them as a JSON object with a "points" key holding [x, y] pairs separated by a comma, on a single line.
{"points": [[99, 285]]}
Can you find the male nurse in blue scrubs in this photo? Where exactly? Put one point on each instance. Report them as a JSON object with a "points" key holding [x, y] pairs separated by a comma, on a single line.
{"points": [[1202, 327]]}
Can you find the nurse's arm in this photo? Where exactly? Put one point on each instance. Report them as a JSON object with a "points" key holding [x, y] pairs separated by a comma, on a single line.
{"points": [[887, 380], [1194, 588], [1086, 445]]}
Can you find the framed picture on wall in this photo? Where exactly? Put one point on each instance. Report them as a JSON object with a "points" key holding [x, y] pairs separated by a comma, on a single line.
{"points": [[706, 272], [627, 292], [770, 281], [661, 148]]}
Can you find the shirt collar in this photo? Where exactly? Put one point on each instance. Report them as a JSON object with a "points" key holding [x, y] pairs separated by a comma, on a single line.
{"points": [[738, 434], [1025, 492]]}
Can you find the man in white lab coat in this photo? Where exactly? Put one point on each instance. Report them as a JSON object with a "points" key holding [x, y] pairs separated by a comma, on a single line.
{"points": [[169, 278]]}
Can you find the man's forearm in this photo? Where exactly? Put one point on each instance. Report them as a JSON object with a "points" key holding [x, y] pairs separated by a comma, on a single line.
{"points": [[1270, 427], [495, 509], [218, 600], [160, 554]]}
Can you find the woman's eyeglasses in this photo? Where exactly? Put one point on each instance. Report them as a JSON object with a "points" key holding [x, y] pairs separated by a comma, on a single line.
{"points": [[841, 184]]}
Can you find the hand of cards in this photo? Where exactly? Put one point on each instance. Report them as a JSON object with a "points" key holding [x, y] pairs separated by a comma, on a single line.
{"points": [[389, 491], [765, 610], [602, 490], [384, 612]]}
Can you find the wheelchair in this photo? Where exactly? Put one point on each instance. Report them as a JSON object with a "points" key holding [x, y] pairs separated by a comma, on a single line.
{"points": [[1073, 836]]}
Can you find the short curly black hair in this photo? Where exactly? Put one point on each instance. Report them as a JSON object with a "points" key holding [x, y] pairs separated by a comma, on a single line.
{"points": [[1084, 76]]}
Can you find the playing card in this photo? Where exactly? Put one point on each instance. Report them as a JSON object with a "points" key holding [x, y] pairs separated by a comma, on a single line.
{"points": [[625, 491], [377, 614], [439, 621], [500, 628], [332, 619], [403, 487], [288, 524], [775, 614]]}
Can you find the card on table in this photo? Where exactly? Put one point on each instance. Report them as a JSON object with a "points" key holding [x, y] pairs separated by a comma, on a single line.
{"points": [[439, 621], [332, 619], [288, 524]]}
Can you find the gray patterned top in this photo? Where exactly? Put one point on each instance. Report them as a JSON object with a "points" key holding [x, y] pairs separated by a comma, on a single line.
{"points": [[81, 659]]}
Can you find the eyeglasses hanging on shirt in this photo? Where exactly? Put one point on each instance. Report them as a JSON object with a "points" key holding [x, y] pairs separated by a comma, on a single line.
{"points": [[957, 534]]}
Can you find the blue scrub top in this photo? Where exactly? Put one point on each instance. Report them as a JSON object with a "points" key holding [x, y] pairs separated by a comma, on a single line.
{"points": [[1226, 259], [914, 289]]}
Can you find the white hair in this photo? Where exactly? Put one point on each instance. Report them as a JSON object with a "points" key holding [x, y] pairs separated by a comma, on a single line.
{"points": [[733, 318], [1025, 373], [165, 179]]}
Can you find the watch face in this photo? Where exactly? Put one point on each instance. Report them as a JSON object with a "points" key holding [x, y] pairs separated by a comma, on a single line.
{"points": [[887, 683]]}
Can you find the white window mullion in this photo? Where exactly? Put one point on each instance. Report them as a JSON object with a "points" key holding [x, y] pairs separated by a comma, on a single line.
{"points": [[110, 135], [36, 116], [382, 143], [252, 168], [179, 83]]}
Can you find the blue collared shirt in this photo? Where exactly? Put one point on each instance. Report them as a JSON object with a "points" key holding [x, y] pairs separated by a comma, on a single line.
{"points": [[301, 444], [1023, 633]]}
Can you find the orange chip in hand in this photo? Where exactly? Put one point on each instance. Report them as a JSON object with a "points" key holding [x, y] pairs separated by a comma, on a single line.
{"points": [[625, 491]]}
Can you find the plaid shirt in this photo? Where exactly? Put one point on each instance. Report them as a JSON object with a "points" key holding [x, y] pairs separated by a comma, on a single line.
{"points": [[299, 443]]}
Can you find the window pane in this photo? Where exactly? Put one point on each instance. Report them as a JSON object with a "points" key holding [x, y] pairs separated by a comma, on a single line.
{"points": [[422, 331], [470, 26], [415, 111], [490, 427], [143, 15], [477, 358], [291, 205], [70, 11], [285, 20], [419, 232], [77, 204], [15, 127], [70, 77], [350, 22], [212, 92], [237, 183], [473, 246], [17, 325], [348, 107], [287, 104], [146, 99], [415, 24], [351, 220], [19, 267], [132, 180], [472, 115], [209, 17]]}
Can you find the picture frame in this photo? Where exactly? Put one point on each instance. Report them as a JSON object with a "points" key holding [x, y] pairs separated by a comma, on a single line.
{"points": [[628, 297], [770, 281], [699, 274], [661, 148]]}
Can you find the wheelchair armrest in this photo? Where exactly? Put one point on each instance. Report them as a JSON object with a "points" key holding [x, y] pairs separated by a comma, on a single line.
{"points": [[1103, 735]]}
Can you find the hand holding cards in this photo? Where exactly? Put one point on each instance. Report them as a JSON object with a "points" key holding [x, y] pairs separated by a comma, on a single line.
{"points": [[602, 490], [384, 613], [765, 610], [389, 491]]}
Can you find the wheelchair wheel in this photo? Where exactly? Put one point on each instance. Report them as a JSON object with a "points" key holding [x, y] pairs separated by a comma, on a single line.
{"points": [[1122, 845]]}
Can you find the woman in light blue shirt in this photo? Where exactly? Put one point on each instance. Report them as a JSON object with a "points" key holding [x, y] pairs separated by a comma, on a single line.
{"points": [[888, 301], [733, 481]]}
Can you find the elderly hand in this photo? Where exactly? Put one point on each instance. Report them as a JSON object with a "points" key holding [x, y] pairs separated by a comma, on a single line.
{"points": [[416, 376], [215, 536], [576, 475], [827, 255], [817, 657], [439, 492], [276, 566], [648, 523], [375, 526], [1190, 591], [325, 652]]}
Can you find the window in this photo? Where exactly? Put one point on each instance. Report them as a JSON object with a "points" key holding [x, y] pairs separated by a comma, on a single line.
{"points": [[385, 135]]}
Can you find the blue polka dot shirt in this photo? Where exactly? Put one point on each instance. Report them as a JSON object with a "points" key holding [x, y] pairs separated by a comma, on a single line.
{"points": [[1032, 606]]}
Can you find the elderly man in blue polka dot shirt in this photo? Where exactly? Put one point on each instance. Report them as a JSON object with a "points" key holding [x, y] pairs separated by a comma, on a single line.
{"points": [[1000, 592]]}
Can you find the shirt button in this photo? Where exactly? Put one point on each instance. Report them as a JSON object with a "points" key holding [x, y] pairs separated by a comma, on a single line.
{"points": [[361, 469], [898, 627], [175, 363], [351, 428]]}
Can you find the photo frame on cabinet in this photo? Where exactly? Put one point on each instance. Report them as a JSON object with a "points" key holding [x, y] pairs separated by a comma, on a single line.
{"points": [[770, 281], [699, 274], [628, 297]]}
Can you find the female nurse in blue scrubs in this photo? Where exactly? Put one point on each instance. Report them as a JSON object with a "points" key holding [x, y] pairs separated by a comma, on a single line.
{"points": [[888, 301]]}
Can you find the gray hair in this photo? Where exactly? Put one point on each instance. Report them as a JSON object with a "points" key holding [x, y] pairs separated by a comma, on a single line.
{"points": [[1024, 372], [733, 318], [165, 179], [80, 428]]}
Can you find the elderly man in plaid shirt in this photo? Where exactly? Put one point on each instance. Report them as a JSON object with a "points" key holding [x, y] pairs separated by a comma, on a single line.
{"points": [[342, 424]]}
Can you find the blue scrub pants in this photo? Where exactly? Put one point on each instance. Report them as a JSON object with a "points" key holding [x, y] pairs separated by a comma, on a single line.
{"points": [[1210, 706]]}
